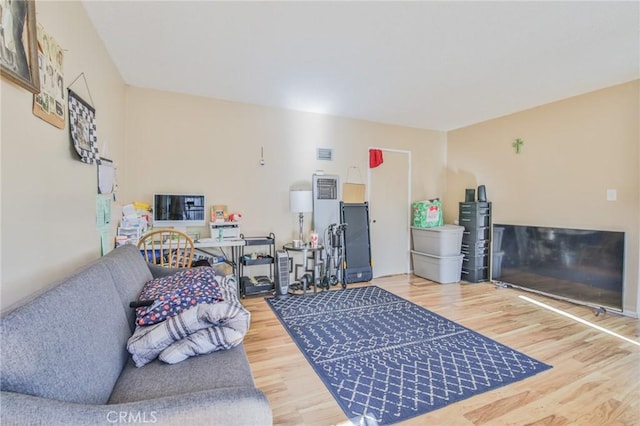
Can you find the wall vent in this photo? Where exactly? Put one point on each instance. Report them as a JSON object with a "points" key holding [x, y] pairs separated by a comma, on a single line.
{"points": [[324, 154]]}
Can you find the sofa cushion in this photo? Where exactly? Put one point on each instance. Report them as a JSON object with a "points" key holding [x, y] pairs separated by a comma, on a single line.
{"points": [[69, 343], [218, 370], [129, 271]]}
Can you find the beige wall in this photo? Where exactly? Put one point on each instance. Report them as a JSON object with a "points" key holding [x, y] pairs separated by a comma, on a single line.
{"points": [[185, 143], [48, 196], [574, 150], [164, 142]]}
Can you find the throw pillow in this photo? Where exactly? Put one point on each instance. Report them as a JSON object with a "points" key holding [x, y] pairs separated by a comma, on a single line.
{"points": [[176, 293]]}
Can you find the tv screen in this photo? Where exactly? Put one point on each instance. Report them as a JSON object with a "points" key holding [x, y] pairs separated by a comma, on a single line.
{"points": [[579, 265], [178, 210]]}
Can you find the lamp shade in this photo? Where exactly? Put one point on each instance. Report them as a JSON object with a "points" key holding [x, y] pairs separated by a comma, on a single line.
{"points": [[300, 201]]}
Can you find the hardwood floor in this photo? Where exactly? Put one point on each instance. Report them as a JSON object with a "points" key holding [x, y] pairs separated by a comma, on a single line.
{"points": [[595, 379]]}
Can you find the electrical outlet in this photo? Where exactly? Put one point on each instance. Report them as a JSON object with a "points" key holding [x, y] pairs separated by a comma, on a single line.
{"points": [[612, 195]]}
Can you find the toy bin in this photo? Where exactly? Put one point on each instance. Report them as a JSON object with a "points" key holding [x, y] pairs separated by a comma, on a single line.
{"points": [[443, 240], [441, 269]]}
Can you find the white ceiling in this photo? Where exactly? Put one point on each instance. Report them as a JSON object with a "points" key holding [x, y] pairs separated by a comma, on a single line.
{"points": [[433, 65]]}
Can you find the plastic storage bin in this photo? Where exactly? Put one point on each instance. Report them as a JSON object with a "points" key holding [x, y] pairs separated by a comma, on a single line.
{"points": [[473, 215], [443, 240], [481, 246], [475, 262], [475, 207], [476, 240], [474, 252], [475, 221], [475, 275], [441, 269], [473, 235]]}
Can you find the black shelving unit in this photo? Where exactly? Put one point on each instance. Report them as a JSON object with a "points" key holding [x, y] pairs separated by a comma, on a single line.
{"points": [[250, 257], [476, 240]]}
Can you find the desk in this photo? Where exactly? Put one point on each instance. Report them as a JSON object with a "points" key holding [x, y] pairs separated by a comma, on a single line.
{"points": [[310, 276], [205, 244]]}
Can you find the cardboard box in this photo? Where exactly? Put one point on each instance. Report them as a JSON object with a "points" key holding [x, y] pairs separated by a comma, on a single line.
{"points": [[353, 193]]}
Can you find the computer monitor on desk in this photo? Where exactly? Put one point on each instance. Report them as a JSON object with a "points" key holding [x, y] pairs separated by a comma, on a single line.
{"points": [[178, 211]]}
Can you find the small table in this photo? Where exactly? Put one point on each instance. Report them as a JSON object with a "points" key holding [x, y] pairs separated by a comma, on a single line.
{"points": [[309, 275]]}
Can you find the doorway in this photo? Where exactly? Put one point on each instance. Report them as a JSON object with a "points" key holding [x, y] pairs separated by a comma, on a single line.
{"points": [[389, 195]]}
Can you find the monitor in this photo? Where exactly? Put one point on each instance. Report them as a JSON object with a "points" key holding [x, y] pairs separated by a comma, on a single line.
{"points": [[178, 211]]}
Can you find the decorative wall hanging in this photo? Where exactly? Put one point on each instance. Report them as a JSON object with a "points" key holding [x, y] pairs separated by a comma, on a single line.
{"points": [[49, 103], [19, 58], [517, 144], [82, 129], [375, 158]]}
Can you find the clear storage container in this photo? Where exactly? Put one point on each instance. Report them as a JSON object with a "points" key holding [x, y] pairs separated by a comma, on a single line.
{"points": [[441, 269], [443, 240]]}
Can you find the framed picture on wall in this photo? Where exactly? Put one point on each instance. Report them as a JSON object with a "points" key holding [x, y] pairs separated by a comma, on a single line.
{"points": [[49, 104], [18, 43]]}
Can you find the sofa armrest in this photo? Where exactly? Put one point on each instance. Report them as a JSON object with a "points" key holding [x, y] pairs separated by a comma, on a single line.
{"points": [[241, 406]]}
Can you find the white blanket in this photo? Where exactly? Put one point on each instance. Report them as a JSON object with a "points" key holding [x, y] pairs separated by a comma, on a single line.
{"points": [[205, 328]]}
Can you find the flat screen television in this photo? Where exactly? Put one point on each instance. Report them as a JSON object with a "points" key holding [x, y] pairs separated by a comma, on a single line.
{"points": [[584, 266], [178, 211]]}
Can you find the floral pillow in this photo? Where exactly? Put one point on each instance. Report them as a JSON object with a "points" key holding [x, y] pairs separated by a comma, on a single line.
{"points": [[176, 293]]}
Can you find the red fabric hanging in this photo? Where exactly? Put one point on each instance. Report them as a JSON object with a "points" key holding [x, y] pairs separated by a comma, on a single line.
{"points": [[375, 158]]}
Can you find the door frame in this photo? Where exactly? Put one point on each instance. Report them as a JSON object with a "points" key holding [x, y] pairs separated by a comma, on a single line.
{"points": [[409, 192]]}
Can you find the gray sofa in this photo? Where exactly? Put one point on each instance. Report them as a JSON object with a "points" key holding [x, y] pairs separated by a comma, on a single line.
{"points": [[63, 360]]}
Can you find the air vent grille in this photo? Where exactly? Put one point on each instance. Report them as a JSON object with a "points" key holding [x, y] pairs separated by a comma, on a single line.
{"points": [[325, 154], [327, 189]]}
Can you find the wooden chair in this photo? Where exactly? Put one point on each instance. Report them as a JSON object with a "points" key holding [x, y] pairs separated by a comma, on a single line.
{"points": [[167, 247]]}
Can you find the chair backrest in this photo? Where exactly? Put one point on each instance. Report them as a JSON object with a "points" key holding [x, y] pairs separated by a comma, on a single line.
{"points": [[167, 247]]}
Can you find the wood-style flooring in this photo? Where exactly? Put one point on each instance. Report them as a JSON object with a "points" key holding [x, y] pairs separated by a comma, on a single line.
{"points": [[595, 379]]}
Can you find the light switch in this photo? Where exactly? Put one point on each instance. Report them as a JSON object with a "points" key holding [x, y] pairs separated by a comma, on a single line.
{"points": [[612, 194]]}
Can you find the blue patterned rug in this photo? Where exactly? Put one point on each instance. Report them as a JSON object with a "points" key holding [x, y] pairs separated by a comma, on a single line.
{"points": [[386, 357]]}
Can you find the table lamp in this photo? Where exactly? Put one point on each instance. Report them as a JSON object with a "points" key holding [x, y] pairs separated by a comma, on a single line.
{"points": [[301, 202]]}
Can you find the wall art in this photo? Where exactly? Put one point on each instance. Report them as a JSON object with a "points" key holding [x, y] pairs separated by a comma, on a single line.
{"points": [[18, 44], [82, 129], [49, 104]]}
